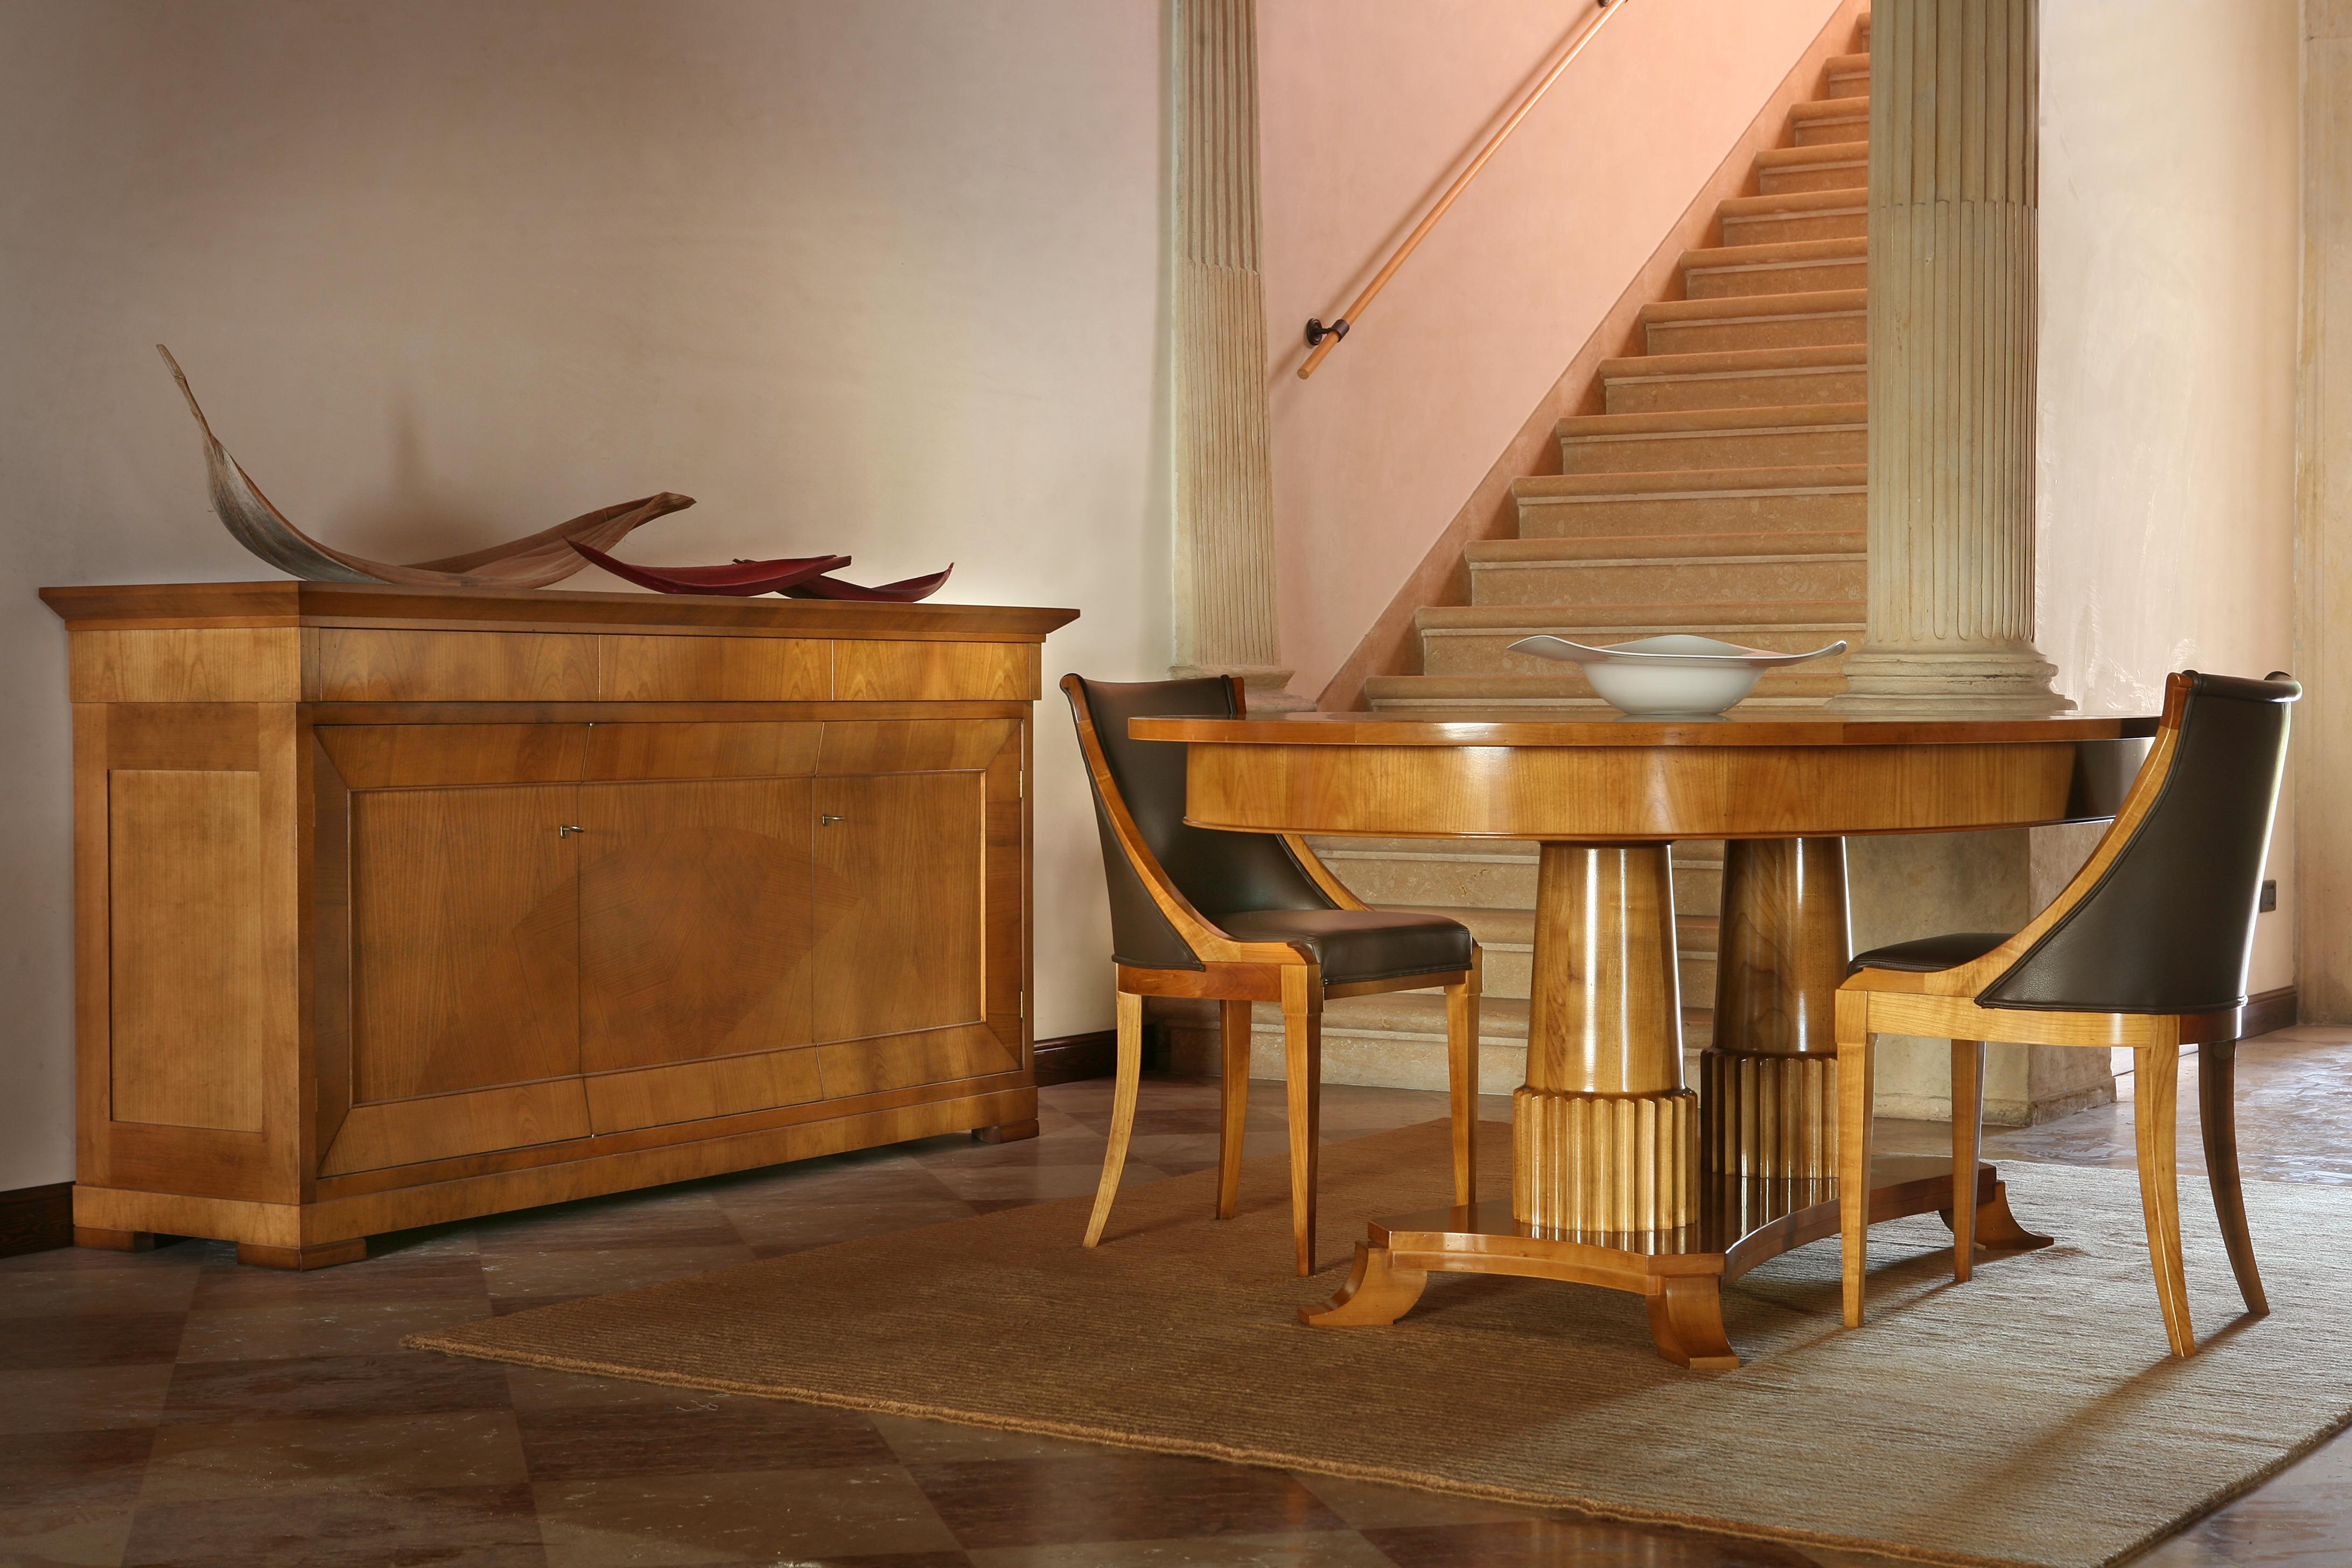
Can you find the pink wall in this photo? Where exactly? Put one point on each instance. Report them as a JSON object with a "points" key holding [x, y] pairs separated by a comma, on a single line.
{"points": [[1367, 108]]}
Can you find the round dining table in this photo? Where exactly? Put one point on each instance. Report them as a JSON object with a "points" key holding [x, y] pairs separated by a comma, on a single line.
{"points": [[1623, 1175]]}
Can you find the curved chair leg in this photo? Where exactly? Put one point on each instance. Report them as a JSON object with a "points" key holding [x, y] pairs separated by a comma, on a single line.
{"points": [[2217, 1108], [1302, 1040], [1967, 1144], [1233, 1100], [2158, 1071], [1462, 1075], [1855, 1094], [1122, 1110]]}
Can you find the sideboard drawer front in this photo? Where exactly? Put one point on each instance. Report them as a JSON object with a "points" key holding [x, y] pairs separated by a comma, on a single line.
{"points": [[913, 745], [934, 672], [428, 756], [357, 664], [748, 750], [696, 1092]]}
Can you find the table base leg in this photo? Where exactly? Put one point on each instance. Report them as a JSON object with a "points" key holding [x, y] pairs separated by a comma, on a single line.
{"points": [[1769, 1114], [1679, 1273], [1604, 1162]]}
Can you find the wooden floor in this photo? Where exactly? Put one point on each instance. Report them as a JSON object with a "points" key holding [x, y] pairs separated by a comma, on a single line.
{"points": [[171, 1407]]}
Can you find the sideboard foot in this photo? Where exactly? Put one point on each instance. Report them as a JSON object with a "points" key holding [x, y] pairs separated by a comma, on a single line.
{"points": [[114, 1240], [1006, 1132], [324, 1256]]}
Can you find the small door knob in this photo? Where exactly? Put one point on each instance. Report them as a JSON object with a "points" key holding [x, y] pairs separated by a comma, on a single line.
{"points": [[825, 819], [566, 829]]}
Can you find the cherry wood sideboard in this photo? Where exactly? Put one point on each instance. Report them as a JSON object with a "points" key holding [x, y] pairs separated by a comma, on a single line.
{"points": [[395, 906]]}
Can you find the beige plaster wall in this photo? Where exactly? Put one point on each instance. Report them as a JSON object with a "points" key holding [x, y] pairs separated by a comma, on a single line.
{"points": [[1368, 107], [2167, 438], [882, 276]]}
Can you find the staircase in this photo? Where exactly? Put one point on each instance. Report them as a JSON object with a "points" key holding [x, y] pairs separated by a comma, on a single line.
{"points": [[1720, 493]]}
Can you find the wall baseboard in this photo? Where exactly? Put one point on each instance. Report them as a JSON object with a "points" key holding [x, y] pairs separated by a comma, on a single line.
{"points": [[1070, 1058], [35, 1219], [2268, 1010]]}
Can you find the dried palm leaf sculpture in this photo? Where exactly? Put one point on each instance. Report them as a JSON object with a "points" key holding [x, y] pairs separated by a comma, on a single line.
{"points": [[535, 562], [741, 579]]}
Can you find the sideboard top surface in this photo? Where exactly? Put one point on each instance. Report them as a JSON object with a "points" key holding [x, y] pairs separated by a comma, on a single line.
{"points": [[296, 603]]}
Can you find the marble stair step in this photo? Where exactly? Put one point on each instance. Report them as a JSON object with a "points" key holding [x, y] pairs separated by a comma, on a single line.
{"points": [[1816, 320], [1535, 572], [1469, 641], [1808, 499], [1847, 76], [1819, 435], [1735, 269], [1751, 378], [1844, 165], [1827, 121], [1779, 217]]}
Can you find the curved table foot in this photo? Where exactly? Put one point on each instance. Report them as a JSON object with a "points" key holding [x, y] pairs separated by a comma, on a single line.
{"points": [[1997, 1228], [1687, 1322], [1377, 1293]]}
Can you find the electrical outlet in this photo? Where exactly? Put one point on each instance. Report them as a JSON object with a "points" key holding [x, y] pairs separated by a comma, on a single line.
{"points": [[2270, 898]]}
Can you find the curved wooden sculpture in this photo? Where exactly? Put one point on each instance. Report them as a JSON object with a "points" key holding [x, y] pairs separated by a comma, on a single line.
{"points": [[905, 591], [741, 579], [535, 562]]}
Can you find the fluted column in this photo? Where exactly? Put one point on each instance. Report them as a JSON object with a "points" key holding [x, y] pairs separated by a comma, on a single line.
{"points": [[1954, 186], [1224, 570]]}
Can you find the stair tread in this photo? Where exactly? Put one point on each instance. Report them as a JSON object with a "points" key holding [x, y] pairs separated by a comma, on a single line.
{"points": [[1764, 615], [1776, 203], [1495, 928], [1817, 152], [1830, 107], [1843, 248], [1735, 361], [1676, 482], [1750, 307], [1747, 421], [1423, 1012], [1715, 549]]}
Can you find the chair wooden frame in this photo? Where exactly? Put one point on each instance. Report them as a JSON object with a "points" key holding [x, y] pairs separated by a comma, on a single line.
{"points": [[1236, 973], [1941, 1004]]}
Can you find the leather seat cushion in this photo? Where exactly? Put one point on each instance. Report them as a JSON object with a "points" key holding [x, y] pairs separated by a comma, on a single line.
{"points": [[1930, 953], [1360, 944]]}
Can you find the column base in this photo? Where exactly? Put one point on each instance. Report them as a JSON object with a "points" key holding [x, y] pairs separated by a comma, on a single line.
{"points": [[1268, 685], [1772, 1116], [1604, 1162], [1993, 683]]}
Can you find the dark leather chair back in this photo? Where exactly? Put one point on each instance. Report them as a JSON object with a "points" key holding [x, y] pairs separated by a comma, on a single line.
{"points": [[1218, 873], [2170, 927]]}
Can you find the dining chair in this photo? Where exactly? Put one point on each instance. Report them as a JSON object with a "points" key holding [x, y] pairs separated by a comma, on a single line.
{"points": [[2148, 947], [1241, 918]]}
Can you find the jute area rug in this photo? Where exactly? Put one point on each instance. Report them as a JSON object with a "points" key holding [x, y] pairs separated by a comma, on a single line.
{"points": [[2029, 1416]]}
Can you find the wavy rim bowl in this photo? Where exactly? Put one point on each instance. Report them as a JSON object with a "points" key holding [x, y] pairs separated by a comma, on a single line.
{"points": [[1637, 677]]}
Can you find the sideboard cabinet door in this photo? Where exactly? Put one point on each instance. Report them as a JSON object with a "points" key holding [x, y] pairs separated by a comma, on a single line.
{"points": [[465, 947], [694, 949]]}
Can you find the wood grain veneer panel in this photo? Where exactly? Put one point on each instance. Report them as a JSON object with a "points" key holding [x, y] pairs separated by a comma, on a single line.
{"points": [[187, 664], [183, 897], [466, 939], [367, 665], [934, 671], [1595, 793], [694, 1091], [403, 1132], [752, 748], [413, 756], [903, 1061], [922, 745], [694, 920], [724, 669], [898, 905]]}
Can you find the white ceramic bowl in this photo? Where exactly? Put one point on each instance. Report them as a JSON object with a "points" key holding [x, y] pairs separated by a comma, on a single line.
{"points": [[1673, 676]]}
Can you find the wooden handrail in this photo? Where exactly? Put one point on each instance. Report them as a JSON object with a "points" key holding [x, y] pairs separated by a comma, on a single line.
{"points": [[1321, 340]]}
